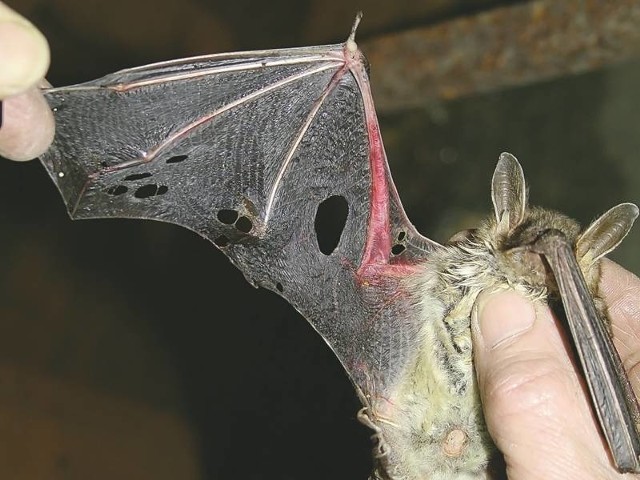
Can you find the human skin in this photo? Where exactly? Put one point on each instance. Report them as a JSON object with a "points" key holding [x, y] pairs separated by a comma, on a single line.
{"points": [[535, 404], [27, 122]]}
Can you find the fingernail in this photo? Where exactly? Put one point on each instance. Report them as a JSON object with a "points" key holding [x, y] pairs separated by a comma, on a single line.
{"points": [[501, 317], [24, 52]]}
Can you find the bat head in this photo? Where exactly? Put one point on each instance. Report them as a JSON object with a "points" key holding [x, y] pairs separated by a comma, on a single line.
{"points": [[515, 227]]}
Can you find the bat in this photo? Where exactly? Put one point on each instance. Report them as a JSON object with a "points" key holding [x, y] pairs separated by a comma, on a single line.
{"points": [[253, 150]]}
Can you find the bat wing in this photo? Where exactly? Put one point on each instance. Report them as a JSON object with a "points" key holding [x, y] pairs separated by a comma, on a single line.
{"points": [[252, 151]]}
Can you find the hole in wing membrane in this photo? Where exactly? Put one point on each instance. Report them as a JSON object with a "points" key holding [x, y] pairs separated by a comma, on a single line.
{"points": [[117, 190], [177, 159], [150, 190], [136, 176], [227, 216], [331, 218], [244, 224]]}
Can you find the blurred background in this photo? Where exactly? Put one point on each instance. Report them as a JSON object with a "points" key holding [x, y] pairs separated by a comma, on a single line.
{"points": [[134, 349]]}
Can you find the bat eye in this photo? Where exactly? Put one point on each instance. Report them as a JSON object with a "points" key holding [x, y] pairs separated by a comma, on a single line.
{"points": [[331, 218]]}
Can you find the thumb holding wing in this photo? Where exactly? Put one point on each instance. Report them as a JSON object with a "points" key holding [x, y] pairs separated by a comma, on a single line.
{"points": [[26, 123]]}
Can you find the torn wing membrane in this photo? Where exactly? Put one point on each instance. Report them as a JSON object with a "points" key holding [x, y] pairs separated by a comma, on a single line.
{"points": [[155, 130], [297, 145]]}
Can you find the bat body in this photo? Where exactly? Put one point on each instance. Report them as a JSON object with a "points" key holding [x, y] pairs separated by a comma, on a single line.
{"points": [[248, 150], [435, 414]]}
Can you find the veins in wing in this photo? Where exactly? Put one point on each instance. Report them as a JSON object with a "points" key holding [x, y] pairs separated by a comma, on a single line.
{"points": [[197, 67], [335, 80], [378, 257], [150, 155], [228, 68]]}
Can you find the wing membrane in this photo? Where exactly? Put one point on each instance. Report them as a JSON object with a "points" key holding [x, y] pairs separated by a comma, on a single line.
{"points": [[242, 149]]}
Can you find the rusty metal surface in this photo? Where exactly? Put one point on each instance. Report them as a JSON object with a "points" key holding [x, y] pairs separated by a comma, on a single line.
{"points": [[505, 47]]}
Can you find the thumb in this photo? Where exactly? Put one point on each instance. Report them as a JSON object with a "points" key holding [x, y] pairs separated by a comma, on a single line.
{"points": [[534, 402], [24, 53], [26, 122]]}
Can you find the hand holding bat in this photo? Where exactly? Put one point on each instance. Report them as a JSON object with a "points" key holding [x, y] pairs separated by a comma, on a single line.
{"points": [[271, 138], [536, 408]]}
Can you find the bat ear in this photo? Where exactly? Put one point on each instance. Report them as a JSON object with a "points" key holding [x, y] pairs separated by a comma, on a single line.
{"points": [[606, 232], [509, 193]]}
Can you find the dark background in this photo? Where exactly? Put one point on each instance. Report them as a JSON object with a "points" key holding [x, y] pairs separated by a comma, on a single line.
{"points": [[135, 350]]}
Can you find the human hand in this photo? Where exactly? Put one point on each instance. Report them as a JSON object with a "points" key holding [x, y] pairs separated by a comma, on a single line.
{"points": [[26, 122], [536, 407]]}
